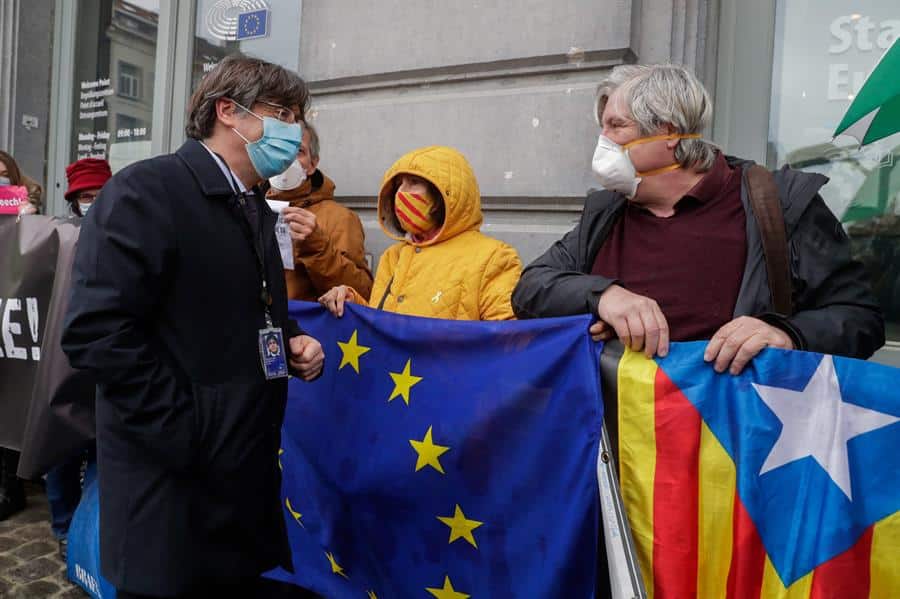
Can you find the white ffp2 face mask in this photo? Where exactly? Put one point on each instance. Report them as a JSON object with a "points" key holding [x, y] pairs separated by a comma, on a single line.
{"points": [[613, 168], [292, 178]]}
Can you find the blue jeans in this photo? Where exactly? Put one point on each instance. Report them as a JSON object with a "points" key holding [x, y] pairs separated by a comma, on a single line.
{"points": [[64, 489]]}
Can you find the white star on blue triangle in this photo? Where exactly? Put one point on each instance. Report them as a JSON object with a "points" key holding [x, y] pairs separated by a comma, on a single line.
{"points": [[818, 424], [815, 441]]}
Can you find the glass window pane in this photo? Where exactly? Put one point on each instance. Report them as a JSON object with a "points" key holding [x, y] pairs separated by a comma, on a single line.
{"points": [[257, 28], [114, 66], [824, 49]]}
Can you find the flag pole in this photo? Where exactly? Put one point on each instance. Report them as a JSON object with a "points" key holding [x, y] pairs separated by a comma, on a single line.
{"points": [[625, 577]]}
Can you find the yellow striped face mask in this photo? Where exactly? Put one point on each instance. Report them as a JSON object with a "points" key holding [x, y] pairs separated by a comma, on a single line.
{"points": [[415, 211]]}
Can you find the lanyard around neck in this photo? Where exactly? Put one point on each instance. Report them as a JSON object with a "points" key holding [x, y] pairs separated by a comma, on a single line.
{"points": [[239, 201]]}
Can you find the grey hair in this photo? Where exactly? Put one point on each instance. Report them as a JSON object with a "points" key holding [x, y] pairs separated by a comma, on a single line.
{"points": [[660, 95], [313, 140]]}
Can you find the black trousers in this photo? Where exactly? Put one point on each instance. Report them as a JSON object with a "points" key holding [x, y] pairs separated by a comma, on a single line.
{"points": [[255, 588]]}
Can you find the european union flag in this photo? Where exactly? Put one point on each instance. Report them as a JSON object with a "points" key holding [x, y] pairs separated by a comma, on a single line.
{"points": [[442, 458], [253, 24]]}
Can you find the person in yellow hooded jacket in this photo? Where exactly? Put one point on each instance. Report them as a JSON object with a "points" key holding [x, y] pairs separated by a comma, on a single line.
{"points": [[442, 265]]}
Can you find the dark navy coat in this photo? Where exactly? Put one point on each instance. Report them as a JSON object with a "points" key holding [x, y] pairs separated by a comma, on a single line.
{"points": [[165, 310]]}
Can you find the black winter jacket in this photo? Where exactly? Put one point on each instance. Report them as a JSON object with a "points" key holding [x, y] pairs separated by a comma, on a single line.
{"points": [[834, 309], [165, 311]]}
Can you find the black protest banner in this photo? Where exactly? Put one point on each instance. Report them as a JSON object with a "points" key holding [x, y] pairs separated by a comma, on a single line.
{"points": [[60, 418], [28, 252], [46, 407]]}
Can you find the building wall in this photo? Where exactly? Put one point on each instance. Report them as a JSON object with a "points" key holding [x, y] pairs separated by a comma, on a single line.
{"points": [[512, 89]]}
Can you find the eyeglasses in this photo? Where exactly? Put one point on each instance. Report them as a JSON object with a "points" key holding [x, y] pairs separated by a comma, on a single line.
{"points": [[86, 197], [282, 113]]}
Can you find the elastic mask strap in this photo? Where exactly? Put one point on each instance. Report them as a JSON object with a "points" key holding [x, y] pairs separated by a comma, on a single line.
{"points": [[663, 169], [659, 171], [645, 140], [246, 141], [248, 111]]}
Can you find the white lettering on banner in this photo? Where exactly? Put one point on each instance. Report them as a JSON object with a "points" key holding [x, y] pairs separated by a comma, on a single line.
{"points": [[88, 580], [33, 316], [856, 31], [11, 328]]}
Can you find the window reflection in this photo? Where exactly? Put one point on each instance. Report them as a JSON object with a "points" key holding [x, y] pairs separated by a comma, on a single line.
{"points": [[824, 49], [259, 28], [114, 70]]}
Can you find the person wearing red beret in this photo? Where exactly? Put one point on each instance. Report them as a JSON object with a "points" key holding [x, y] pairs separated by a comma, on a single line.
{"points": [[86, 177]]}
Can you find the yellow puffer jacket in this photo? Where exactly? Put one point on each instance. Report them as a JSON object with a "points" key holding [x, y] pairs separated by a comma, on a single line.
{"points": [[460, 274]]}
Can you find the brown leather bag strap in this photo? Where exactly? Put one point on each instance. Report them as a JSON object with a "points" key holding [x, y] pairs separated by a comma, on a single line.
{"points": [[770, 219]]}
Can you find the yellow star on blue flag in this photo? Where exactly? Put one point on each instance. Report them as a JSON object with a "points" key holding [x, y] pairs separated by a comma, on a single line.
{"points": [[253, 24], [414, 501]]}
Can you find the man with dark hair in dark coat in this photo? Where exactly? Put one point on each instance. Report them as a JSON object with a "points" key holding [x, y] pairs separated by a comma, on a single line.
{"points": [[177, 280]]}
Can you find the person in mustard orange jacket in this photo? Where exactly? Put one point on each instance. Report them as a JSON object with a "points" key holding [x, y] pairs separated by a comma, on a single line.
{"points": [[328, 238], [442, 265]]}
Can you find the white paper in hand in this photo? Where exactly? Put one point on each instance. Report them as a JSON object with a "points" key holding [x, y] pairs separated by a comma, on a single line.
{"points": [[282, 234]]}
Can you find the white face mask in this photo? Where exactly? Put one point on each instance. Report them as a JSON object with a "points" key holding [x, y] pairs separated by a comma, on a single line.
{"points": [[613, 168], [83, 208], [292, 178], [5, 181]]}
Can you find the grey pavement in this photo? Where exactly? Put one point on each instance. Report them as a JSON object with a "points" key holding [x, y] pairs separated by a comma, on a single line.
{"points": [[29, 564]]}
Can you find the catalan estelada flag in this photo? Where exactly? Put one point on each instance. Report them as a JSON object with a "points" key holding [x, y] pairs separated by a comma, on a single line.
{"points": [[443, 459], [781, 482]]}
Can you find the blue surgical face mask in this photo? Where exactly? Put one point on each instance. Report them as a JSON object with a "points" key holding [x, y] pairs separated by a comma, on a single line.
{"points": [[83, 208], [5, 181], [274, 152]]}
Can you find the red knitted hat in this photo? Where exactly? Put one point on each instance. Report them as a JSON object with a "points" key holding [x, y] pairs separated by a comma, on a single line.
{"points": [[87, 173]]}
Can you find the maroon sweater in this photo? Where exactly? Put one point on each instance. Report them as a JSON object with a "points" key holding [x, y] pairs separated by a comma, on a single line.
{"points": [[690, 263]]}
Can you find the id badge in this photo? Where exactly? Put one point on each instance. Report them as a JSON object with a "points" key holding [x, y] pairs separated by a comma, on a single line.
{"points": [[271, 352]]}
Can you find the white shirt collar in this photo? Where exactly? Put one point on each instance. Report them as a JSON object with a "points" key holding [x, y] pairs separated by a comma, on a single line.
{"points": [[226, 170]]}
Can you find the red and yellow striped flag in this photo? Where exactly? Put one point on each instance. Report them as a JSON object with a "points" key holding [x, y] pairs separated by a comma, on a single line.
{"points": [[693, 535]]}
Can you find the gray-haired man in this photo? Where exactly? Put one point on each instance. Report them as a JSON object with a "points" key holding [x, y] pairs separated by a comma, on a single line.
{"points": [[670, 249]]}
